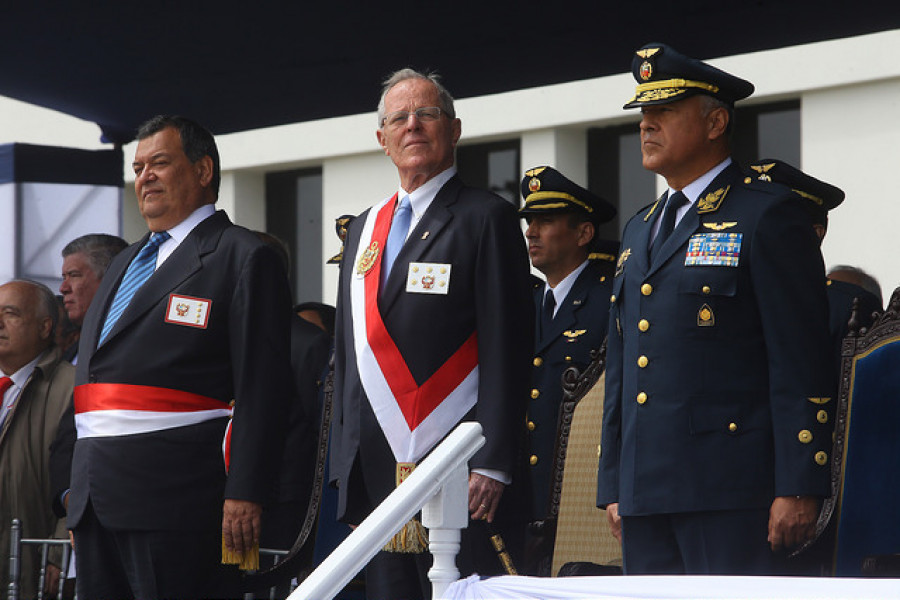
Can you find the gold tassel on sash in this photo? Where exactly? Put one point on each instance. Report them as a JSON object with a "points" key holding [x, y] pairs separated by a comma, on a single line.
{"points": [[413, 537], [248, 561]]}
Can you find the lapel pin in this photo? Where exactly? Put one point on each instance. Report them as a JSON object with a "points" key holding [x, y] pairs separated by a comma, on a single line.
{"points": [[425, 235]]}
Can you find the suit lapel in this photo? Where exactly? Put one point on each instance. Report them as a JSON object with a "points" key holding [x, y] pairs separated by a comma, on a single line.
{"points": [[640, 252], [427, 230], [184, 262], [566, 314], [691, 220]]}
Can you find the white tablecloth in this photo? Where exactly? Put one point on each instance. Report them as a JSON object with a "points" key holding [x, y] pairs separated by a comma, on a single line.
{"points": [[673, 587]]}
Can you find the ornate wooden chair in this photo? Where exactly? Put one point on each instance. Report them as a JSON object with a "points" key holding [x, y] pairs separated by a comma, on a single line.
{"points": [[583, 543], [859, 526]]}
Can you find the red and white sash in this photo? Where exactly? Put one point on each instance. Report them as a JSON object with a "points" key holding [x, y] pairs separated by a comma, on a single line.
{"points": [[112, 409], [413, 417]]}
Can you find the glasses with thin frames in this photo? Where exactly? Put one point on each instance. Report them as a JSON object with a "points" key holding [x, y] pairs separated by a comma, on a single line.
{"points": [[425, 114]]}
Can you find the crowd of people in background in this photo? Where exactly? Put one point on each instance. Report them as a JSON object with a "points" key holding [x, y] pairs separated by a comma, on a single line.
{"points": [[166, 409]]}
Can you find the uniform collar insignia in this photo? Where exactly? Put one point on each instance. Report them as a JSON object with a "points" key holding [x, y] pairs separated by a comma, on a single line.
{"points": [[622, 258], [712, 201], [720, 226]]}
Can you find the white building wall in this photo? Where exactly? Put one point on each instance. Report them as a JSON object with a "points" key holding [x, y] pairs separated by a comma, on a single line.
{"points": [[849, 90]]}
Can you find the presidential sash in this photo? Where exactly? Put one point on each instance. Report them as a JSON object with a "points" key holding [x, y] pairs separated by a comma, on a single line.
{"points": [[413, 417]]}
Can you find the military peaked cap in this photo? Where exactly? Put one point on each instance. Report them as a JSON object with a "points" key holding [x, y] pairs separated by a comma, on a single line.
{"points": [[665, 75], [546, 190], [823, 196]]}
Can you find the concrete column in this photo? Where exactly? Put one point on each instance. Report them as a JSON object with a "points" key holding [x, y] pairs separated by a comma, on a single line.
{"points": [[563, 149], [243, 196]]}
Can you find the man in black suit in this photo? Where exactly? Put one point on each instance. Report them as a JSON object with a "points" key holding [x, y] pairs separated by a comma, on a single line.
{"points": [[187, 322], [718, 356], [570, 307], [819, 198], [444, 337]]}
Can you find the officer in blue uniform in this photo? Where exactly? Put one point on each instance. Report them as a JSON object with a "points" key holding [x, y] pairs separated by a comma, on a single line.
{"points": [[570, 307], [713, 459], [819, 198]]}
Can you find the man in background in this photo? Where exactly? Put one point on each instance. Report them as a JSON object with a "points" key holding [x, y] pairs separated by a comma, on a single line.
{"points": [[35, 389]]}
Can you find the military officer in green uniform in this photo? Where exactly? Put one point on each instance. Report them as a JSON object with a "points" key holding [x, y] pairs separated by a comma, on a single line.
{"points": [[713, 459], [570, 312]]}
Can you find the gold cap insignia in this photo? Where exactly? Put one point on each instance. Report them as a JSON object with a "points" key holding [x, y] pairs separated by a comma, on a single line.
{"points": [[534, 184], [706, 318], [535, 172], [712, 201], [720, 226], [763, 171], [646, 70], [647, 52]]}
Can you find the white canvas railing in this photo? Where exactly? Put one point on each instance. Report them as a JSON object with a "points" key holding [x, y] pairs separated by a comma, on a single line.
{"points": [[439, 487]]}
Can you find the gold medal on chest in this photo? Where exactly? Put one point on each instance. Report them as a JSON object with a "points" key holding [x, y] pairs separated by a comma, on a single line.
{"points": [[367, 260]]}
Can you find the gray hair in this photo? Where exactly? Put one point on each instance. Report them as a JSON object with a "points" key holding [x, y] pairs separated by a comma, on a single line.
{"points": [[396, 77], [98, 248], [46, 305], [711, 103]]}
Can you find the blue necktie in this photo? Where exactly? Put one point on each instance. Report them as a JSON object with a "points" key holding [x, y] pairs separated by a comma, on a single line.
{"points": [[667, 222], [139, 271], [396, 238]]}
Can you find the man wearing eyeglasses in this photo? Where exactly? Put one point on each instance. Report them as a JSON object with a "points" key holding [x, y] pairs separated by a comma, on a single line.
{"points": [[434, 327]]}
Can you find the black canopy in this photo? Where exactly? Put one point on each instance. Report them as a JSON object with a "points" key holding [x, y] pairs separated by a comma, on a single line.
{"points": [[237, 66]]}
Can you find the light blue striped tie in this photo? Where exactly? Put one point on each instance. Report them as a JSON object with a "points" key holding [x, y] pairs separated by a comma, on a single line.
{"points": [[139, 271]]}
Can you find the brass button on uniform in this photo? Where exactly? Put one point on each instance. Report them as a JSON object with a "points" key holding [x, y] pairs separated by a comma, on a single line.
{"points": [[642, 398], [821, 458], [535, 393], [643, 325], [822, 416], [747, 180], [533, 460], [805, 436], [732, 427], [612, 298], [538, 361], [706, 289], [646, 289], [568, 359], [531, 425], [643, 361]]}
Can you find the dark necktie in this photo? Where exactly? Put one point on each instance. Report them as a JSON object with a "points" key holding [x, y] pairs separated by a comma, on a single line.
{"points": [[667, 222], [139, 271], [547, 312], [396, 237]]}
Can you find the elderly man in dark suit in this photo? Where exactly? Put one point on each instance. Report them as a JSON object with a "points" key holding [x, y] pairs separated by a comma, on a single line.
{"points": [[187, 322], [431, 328], [718, 356]]}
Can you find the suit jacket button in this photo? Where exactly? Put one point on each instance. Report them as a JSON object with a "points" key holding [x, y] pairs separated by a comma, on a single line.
{"points": [[92, 378], [822, 416], [646, 289], [531, 426], [533, 460], [538, 361], [612, 298], [805, 436], [643, 361], [706, 289], [732, 427], [643, 325], [535, 393], [642, 398], [821, 458]]}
